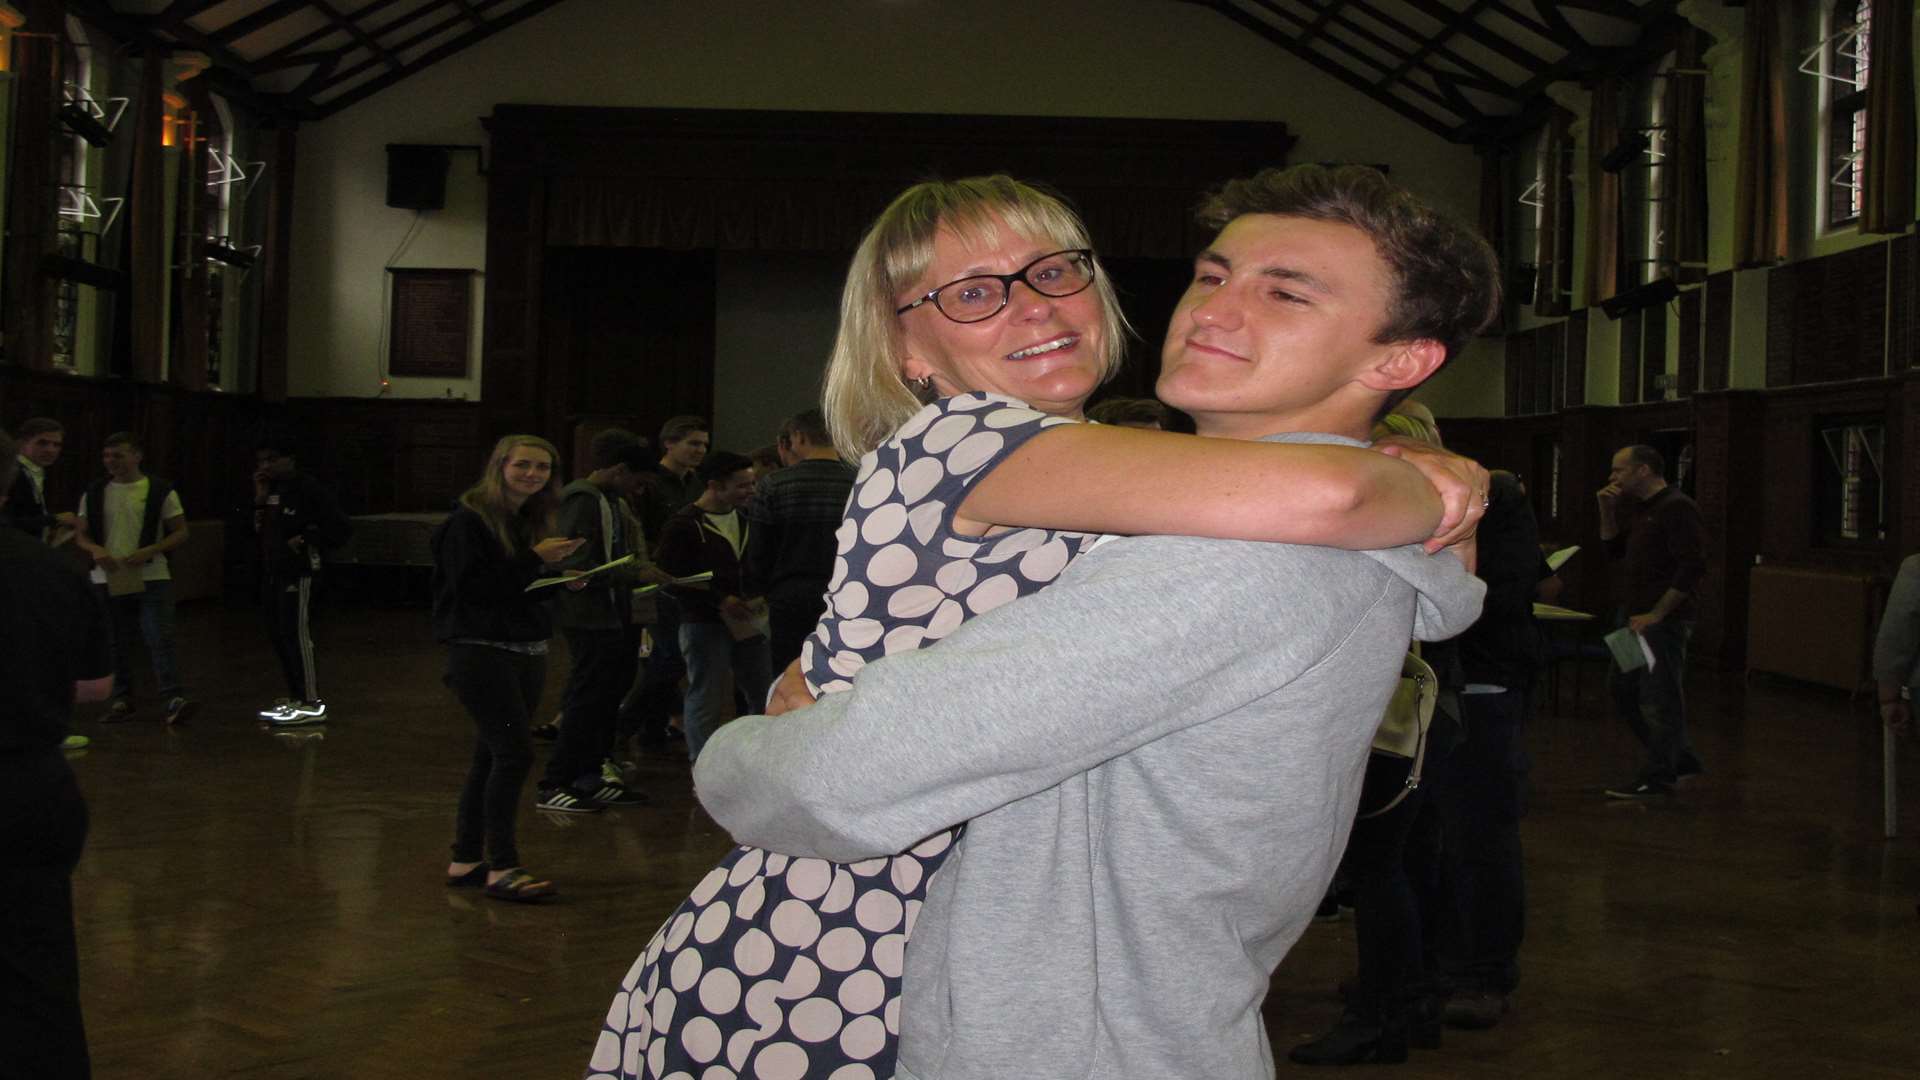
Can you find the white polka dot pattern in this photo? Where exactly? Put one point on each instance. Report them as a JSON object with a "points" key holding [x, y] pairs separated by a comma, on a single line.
{"points": [[789, 969]]}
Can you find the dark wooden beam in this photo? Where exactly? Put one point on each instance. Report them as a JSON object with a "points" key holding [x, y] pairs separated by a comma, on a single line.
{"points": [[314, 36], [259, 20], [471, 13], [497, 24], [1229, 10], [352, 26], [1446, 17]]}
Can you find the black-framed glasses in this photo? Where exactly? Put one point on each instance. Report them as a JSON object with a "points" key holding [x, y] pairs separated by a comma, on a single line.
{"points": [[981, 296]]}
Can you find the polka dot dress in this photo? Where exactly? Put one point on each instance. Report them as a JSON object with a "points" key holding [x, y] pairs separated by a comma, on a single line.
{"points": [[789, 969]]}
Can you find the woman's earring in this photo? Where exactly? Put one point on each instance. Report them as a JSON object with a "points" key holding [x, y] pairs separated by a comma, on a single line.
{"points": [[921, 385]]}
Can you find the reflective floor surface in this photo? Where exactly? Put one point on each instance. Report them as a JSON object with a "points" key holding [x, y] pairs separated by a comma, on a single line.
{"points": [[260, 904]]}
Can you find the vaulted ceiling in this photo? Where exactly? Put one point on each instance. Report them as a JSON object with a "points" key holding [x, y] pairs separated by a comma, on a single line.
{"points": [[1468, 70]]}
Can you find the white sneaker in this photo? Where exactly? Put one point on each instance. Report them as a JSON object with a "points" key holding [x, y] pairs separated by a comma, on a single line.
{"points": [[300, 714], [278, 708]]}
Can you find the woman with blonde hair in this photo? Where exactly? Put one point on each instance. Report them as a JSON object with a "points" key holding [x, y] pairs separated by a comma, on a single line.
{"points": [[497, 541], [974, 324]]}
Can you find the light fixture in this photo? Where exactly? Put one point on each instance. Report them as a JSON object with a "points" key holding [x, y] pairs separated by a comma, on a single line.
{"points": [[171, 119]]}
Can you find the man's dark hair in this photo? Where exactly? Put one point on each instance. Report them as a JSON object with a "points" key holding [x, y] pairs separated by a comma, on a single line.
{"points": [[279, 444], [127, 439], [1129, 411], [614, 446], [680, 427], [37, 425], [808, 423], [722, 464], [1446, 278], [9, 461], [1642, 454]]}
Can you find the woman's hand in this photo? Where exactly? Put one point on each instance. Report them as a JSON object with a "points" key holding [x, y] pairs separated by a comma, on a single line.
{"points": [[554, 548], [1461, 483], [579, 579], [790, 692]]}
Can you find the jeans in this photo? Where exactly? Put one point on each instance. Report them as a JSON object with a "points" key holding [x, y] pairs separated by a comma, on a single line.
{"points": [[712, 655], [500, 690], [1480, 793], [1654, 704], [45, 829], [604, 663], [147, 614]]}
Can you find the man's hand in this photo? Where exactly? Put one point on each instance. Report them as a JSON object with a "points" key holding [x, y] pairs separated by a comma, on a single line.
{"points": [[790, 692], [103, 560], [1608, 497], [735, 608], [579, 579], [138, 557], [298, 544], [1640, 624], [555, 548], [1898, 716], [654, 575], [68, 521], [1461, 483]]}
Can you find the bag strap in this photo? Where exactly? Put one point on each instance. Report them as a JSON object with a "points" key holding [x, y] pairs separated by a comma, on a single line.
{"points": [[1426, 727]]}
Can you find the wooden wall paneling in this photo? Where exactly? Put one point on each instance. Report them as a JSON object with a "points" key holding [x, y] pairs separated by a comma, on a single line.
{"points": [[1903, 304], [1576, 346], [1717, 331], [1783, 288], [1687, 362], [1853, 314], [1519, 357], [1903, 458], [1553, 344], [1629, 387], [1787, 526], [1730, 469]]}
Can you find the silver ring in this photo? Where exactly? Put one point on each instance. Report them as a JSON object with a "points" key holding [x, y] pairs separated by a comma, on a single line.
{"points": [[1486, 499]]}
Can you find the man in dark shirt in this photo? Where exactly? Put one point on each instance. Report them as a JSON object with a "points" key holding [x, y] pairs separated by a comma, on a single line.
{"points": [[1662, 549], [796, 512], [40, 440], [655, 696], [294, 518], [58, 652]]}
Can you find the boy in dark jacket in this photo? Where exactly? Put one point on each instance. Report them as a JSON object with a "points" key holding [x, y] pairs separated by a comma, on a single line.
{"points": [[723, 622], [294, 517], [603, 637]]}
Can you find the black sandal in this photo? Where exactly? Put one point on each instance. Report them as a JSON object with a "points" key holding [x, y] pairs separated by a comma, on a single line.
{"points": [[520, 887], [472, 879]]}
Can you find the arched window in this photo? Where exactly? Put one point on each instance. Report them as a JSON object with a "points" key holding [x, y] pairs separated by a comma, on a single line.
{"points": [[1843, 90]]}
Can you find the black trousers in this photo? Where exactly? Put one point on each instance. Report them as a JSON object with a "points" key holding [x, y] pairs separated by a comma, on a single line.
{"points": [[288, 605], [43, 823], [500, 690], [1387, 920], [1480, 792], [655, 698], [604, 665]]}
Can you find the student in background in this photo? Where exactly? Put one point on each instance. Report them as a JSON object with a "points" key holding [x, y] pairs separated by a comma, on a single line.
{"points": [[294, 518]]}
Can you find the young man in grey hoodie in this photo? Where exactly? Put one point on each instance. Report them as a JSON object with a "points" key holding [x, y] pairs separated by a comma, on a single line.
{"points": [[1158, 757]]}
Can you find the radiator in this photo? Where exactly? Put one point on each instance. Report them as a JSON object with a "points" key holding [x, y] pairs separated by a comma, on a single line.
{"points": [[1815, 625]]}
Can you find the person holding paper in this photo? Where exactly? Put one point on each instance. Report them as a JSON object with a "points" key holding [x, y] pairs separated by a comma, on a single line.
{"points": [[1660, 545], [723, 622], [603, 639], [500, 537], [127, 523]]}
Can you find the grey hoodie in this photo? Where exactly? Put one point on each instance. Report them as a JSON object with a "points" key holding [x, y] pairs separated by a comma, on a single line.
{"points": [[1158, 756]]}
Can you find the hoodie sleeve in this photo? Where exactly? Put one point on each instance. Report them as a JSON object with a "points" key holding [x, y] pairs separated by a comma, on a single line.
{"points": [[1125, 648], [1896, 647]]}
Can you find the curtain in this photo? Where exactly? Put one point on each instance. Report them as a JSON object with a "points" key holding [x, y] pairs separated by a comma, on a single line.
{"points": [[1684, 213], [1603, 195], [147, 223], [33, 212], [1886, 203], [1760, 173], [1553, 286]]}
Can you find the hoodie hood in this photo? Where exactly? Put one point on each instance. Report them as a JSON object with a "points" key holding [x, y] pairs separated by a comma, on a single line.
{"points": [[1448, 597]]}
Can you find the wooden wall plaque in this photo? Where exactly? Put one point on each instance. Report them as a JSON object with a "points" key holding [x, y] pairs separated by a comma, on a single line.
{"points": [[432, 323]]}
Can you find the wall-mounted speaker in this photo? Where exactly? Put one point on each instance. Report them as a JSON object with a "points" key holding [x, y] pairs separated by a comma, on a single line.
{"points": [[416, 177]]}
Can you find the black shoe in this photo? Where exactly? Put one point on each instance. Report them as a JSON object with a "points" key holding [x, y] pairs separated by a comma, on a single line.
{"points": [[1354, 1042], [1328, 911], [118, 713], [1423, 1023], [1640, 789], [548, 732], [566, 800], [1688, 767], [1477, 1011]]}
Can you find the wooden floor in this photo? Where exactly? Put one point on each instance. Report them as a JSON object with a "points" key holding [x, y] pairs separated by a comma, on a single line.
{"points": [[269, 905]]}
